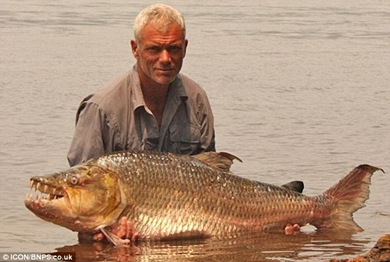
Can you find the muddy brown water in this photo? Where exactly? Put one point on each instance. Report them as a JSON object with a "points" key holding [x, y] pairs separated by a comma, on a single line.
{"points": [[300, 90]]}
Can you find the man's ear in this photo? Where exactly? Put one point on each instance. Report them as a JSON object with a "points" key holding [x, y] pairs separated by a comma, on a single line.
{"points": [[185, 48], [134, 48]]}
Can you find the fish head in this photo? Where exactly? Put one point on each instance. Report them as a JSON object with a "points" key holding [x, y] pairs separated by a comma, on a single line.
{"points": [[81, 198]]}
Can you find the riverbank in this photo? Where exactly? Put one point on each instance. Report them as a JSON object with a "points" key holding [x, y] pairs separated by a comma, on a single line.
{"points": [[379, 253]]}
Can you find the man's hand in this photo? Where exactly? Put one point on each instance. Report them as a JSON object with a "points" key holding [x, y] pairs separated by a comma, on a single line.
{"points": [[118, 233], [292, 229], [123, 230]]}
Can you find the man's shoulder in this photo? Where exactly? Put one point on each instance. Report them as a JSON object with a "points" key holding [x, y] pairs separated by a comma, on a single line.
{"points": [[113, 94], [116, 89], [110, 98], [187, 81], [191, 86]]}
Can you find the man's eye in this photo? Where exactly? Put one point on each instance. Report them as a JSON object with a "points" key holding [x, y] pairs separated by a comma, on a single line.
{"points": [[154, 49], [174, 49]]}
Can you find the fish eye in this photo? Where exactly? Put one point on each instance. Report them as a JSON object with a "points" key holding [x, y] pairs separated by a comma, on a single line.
{"points": [[74, 180]]}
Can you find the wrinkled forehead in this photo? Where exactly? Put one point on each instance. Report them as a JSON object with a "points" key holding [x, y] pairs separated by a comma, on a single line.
{"points": [[156, 32]]}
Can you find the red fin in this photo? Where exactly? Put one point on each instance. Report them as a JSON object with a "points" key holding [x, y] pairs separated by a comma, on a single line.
{"points": [[219, 160], [349, 195]]}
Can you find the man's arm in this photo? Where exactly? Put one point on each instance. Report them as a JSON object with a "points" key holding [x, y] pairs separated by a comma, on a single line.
{"points": [[207, 125], [88, 135]]}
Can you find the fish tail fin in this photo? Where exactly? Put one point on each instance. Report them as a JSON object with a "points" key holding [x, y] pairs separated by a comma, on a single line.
{"points": [[349, 195]]}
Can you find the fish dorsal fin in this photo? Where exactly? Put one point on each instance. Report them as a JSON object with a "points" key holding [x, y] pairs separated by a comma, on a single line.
{"points": [[219, 160]]}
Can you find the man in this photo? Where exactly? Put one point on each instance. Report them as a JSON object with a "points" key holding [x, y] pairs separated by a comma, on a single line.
{"points": [[151, 107]]}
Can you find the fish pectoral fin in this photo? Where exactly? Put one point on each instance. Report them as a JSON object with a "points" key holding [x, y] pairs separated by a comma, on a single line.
{"points": [[114, 239]]}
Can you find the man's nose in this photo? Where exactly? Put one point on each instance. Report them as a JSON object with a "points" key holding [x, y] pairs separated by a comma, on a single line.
{"points": [[165, 56]]}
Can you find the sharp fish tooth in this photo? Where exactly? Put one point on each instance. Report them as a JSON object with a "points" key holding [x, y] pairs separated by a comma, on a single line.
{"points": [[45, 188], [38, 186], [31, 184]]}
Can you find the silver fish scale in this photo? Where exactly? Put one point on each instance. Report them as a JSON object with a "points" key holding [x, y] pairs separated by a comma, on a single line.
{"points": [[172, 196]]}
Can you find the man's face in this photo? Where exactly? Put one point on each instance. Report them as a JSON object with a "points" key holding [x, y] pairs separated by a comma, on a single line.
{"points": [[159, 54]]}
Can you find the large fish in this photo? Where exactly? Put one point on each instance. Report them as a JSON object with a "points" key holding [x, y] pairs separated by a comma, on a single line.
{"points": [[168, 196]]}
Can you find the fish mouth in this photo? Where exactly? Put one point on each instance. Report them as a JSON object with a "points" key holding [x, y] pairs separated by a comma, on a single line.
{"points": [[50, 201], [44, 192]]}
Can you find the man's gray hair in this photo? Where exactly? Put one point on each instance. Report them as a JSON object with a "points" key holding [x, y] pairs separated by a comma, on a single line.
{"points": [[161, 15]]}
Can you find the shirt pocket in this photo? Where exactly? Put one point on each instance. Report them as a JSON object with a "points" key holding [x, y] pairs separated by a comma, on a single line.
{"points": [[185, 139]]}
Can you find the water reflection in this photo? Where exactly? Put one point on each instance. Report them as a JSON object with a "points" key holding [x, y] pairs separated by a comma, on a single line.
{"points": [[259, 247]]}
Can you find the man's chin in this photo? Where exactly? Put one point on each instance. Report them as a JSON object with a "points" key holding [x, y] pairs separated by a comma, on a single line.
{"points": [[164, 80]]}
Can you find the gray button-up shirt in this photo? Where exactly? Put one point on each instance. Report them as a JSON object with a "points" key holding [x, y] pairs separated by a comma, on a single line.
{"points": [[116, 118]]}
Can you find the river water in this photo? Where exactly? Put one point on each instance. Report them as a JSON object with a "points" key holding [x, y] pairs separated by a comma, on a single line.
{"points": [[299, 89]]}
